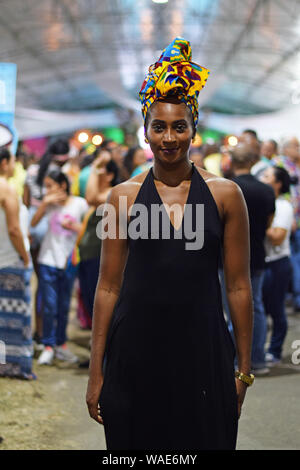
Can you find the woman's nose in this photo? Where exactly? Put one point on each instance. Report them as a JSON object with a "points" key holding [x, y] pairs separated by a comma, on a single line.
{"points": [[168, 136]]}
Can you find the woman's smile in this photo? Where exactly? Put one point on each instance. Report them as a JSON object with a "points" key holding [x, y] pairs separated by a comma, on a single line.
{"points": [[170, 151]]}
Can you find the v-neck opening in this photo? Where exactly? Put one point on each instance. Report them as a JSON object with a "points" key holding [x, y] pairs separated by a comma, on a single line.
{"points": [[184, 206]]}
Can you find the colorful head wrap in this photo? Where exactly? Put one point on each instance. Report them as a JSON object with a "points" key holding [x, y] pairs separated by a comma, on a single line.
{"points": [[174, 74]]}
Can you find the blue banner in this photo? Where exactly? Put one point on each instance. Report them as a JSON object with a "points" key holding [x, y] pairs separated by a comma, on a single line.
{"points": [[8, 80]]}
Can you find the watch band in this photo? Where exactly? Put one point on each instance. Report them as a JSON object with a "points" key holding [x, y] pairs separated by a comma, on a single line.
{"points": [[247, 379]]}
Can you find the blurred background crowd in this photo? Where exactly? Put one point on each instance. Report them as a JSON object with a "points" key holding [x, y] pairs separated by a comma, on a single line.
{"points": [[48, 230]]}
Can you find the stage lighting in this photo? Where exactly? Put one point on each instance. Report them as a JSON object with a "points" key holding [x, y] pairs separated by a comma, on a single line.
{"points": [[83, 137], [97, 139], [232, 140]]}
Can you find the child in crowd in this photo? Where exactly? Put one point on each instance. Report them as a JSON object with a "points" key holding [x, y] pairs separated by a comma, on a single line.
{"points": [[64, 213], [55, 157]]}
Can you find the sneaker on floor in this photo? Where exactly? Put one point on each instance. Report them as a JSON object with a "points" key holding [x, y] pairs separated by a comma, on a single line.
{"points": [[37, 342], [46, 357], [64, 354], [260, 371], [271, 360]]}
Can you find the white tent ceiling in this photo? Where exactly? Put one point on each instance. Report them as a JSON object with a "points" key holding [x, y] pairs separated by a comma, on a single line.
{"points": [[92, 55]]}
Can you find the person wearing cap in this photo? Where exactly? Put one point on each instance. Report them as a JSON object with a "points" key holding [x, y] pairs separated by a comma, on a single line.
{"points": [[162, 361]]}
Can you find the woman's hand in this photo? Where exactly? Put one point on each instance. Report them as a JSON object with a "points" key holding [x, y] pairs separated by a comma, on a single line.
{"points": [[56, 197], [294, 226], [99, 164], [241, 389], [92, 401], [69, 223], [26, 260]]}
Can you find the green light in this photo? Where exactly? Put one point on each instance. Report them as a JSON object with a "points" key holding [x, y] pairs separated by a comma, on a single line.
{"points": [[114, 133]]}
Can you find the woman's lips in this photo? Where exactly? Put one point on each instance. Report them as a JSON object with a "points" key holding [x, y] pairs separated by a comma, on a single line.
{"points": [[169, 151]]}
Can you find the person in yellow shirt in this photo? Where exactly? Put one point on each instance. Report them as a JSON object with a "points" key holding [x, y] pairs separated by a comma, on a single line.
{"points": [[18, 178], [212, 159]]}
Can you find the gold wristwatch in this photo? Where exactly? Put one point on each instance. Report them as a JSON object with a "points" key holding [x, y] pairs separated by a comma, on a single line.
{"points": [[247, 379]]}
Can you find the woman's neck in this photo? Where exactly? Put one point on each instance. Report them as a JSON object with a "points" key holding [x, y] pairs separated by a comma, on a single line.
{"points": [[68, 198], [172, 175], [241, 171]]}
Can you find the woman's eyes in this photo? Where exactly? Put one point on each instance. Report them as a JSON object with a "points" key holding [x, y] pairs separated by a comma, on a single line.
{"points": [[179, 128]]}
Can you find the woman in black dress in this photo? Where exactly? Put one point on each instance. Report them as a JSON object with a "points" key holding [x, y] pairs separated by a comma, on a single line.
{"points": [[162, 363]]}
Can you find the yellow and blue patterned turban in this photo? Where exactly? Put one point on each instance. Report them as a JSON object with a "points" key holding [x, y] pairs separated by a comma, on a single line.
{"points": [[174, 74]]}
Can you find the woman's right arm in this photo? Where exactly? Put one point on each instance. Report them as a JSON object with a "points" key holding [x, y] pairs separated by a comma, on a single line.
{"points": [[26, 195], [113, 260], [94, 188], [41, 210]]}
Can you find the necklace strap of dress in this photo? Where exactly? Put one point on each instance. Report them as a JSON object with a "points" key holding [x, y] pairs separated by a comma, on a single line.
{"points": [[152, 173]]}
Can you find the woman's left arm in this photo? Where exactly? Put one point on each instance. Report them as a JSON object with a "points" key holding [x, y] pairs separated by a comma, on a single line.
{"points": [[94, 188], [237, 277], [276, 235]]}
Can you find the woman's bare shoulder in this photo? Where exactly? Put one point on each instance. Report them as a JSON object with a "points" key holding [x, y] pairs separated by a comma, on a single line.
{"points": [[6, 190], [128, 188], [227, 194], [218, 183]]}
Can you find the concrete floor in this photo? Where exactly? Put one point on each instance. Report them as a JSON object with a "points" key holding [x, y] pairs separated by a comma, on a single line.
{"points": [[271, 412]]}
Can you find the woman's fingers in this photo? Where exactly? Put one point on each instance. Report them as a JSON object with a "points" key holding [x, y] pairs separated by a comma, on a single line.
{"points": [[99, 420], [99, 415], [94, 412], [241, 392], [102, 160]]}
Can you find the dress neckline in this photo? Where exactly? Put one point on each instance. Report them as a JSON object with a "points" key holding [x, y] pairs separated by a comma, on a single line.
{"points": [[186, 202]]}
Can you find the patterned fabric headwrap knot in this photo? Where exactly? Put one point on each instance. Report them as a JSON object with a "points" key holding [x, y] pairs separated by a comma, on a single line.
{"points": [[174, 74]]}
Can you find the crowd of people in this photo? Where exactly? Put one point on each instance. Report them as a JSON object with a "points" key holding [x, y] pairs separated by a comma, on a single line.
{"points": [[48, 226]]}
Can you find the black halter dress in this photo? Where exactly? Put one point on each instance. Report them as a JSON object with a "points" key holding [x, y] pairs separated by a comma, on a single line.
{"points": [[169, 362]]}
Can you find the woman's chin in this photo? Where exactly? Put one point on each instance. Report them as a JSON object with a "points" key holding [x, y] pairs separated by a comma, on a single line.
{"points": [[170, 159]]}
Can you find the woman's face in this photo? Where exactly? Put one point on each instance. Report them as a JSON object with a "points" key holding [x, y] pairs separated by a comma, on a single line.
{"points": [[60, 160], [51, 185], [169, 131], [139, 158], [268, 177], [7, 167], [267, 149]]}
